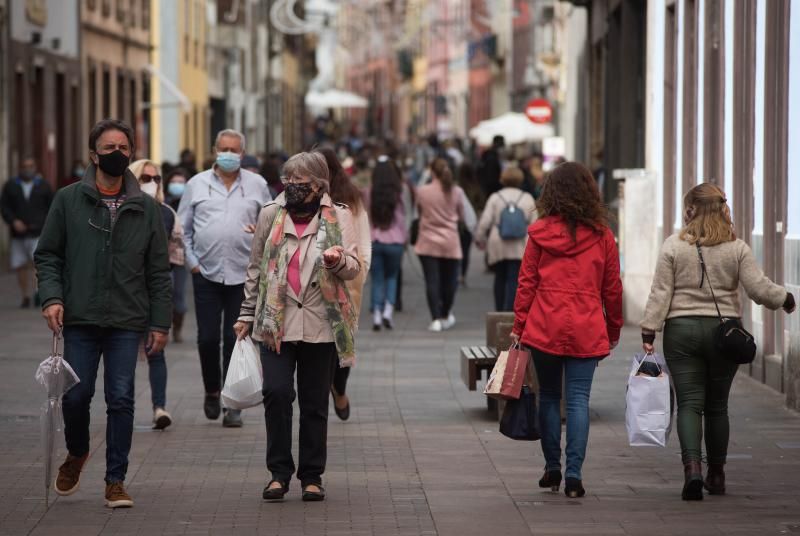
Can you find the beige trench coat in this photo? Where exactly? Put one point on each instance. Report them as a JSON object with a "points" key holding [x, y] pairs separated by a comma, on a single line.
{"points": [[305, 318]]}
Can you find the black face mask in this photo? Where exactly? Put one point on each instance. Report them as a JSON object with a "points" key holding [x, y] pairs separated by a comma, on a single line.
{"points": [[296, 195], [114, 163]]}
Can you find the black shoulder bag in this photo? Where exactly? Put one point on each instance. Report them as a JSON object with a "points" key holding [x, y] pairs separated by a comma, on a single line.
{"points": [[731, 339]]}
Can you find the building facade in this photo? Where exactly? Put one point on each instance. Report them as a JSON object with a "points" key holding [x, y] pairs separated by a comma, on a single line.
{"points": [[723, 106], [44, 86], [115, 54]]}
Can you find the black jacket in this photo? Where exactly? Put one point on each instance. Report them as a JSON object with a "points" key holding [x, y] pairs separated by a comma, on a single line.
{"points": [[32, 212]]}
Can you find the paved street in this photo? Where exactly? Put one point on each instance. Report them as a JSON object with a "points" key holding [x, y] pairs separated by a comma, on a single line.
{"points": [[420, 454]]}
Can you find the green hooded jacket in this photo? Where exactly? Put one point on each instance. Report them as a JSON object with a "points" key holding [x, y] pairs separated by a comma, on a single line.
{"points": [[108, 276]]}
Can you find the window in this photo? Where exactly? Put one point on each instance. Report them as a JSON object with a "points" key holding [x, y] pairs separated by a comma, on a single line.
{"points": [[146, 14], [121, 95], [106, 10], [91, 5], [106, 110], [132, 13], [121, 11], [92, 104]]}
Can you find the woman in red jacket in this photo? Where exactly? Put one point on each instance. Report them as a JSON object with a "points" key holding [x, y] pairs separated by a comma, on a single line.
{"points": [[568, 311]]}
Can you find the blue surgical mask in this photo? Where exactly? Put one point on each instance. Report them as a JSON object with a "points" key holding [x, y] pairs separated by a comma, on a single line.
{"points": [[229, 161], [175, 189]]}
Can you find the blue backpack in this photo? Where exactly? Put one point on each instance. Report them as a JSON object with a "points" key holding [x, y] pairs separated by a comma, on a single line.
{"points": [[513, 224]]}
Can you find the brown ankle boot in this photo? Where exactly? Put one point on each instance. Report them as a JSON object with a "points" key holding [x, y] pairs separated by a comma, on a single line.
{"points": [[177, 326], [715, 479], [693, 481]]}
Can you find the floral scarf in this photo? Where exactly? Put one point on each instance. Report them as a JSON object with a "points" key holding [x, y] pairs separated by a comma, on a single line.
{"points": [[269, 317]]}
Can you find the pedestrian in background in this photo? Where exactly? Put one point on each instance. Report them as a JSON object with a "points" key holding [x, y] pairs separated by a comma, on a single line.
{"points": [[491, 166], [219, 210], [568, 311], [104, 278], [297, 304], [389, 215], [148, 174], [24, 204], [173, 187], [505, 254], [441, 208], [344, 192], [681, 295]]}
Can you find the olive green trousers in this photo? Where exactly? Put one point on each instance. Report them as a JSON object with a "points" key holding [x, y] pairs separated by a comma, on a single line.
{"points": [[702, 378]]}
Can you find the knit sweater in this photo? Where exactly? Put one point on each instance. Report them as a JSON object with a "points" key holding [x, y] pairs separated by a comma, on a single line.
{"points": [[676, 289]]}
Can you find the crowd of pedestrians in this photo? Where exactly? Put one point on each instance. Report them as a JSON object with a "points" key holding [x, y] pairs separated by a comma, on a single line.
{"points": [[280, 249]]}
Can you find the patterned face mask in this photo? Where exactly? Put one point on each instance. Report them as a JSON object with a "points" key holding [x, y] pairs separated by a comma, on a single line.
{"points": [[296, 195]]}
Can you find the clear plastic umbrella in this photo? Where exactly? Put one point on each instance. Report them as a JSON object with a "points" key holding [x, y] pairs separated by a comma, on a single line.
{"points": [[57, 377]]}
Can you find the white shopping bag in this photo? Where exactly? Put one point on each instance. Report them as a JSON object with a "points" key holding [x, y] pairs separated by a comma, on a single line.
{"points": [[244, 381], [647, 402]]}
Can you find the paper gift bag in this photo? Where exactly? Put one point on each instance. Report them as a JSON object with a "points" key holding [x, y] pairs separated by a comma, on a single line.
{"points": [[505, 381]]}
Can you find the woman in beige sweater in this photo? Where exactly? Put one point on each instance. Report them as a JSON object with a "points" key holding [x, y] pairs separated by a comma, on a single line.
{"points": [[680, 295], [505, 254]]}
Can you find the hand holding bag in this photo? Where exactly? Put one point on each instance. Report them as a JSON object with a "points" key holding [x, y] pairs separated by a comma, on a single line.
{"points": [[520, 419], [244, 381], [508, 374], [733, 341], [648, 415]]}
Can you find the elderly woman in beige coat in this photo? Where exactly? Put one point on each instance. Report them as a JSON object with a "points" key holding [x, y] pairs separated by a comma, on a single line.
{"points": [[505, 255], [298, 306]]}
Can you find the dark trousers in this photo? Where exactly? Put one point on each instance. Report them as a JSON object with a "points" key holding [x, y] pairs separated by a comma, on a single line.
{"points": [[340, 376], [466, 247], [83, 346], [216, 308], [314, 363], [506, 274], [702, 378], [441, 282]]}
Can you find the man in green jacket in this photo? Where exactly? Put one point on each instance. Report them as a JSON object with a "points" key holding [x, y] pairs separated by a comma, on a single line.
{"points": [[104, 279]]}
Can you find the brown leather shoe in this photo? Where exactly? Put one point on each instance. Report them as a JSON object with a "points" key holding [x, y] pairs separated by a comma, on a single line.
{"points": [[117, 497], [693, 481], [715, 479], [69, 474]]}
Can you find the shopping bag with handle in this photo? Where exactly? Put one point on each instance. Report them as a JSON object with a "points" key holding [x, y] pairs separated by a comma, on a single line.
{"points": [[648, 415], [244, 380], [508, 374]]}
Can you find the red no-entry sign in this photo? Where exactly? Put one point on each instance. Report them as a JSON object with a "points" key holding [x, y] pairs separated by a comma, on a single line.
{"points": [[539, 111]]}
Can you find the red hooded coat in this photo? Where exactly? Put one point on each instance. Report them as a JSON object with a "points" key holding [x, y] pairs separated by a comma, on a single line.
{"points": [[569, 297]]}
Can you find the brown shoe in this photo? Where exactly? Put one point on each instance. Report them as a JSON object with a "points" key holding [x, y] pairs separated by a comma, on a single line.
{"points": [[117, 497], [69, 474]]}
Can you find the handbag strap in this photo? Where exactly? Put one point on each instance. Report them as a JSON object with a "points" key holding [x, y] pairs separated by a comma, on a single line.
{"points": [[704, 275]]}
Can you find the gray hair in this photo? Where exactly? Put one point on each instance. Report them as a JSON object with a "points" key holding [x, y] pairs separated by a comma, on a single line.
{"points": [[312, 165], [229, 132]]}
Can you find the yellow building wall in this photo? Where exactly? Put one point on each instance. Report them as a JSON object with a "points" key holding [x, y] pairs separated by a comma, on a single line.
{"points": [[155, 86], [193, 76]]}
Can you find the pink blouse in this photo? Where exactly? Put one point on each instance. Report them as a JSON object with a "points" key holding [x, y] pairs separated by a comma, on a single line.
{"points": [[293, 275]]}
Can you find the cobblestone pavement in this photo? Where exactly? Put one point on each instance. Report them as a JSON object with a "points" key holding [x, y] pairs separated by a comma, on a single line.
{"points": [[420, 454]]}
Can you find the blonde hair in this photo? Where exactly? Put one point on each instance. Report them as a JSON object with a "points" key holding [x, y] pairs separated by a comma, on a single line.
{"points": [[512, 176], [312, 165], [706, 216], [137, 168]]}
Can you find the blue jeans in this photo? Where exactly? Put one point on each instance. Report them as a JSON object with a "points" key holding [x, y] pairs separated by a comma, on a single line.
{"points": [[157, 365], [179, 277], [506, 275], [578, 372], [83, 346], [385, 271]]}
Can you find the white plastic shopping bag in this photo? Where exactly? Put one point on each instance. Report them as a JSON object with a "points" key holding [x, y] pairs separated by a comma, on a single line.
{"points": [[244, 381], [647, 402]]}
